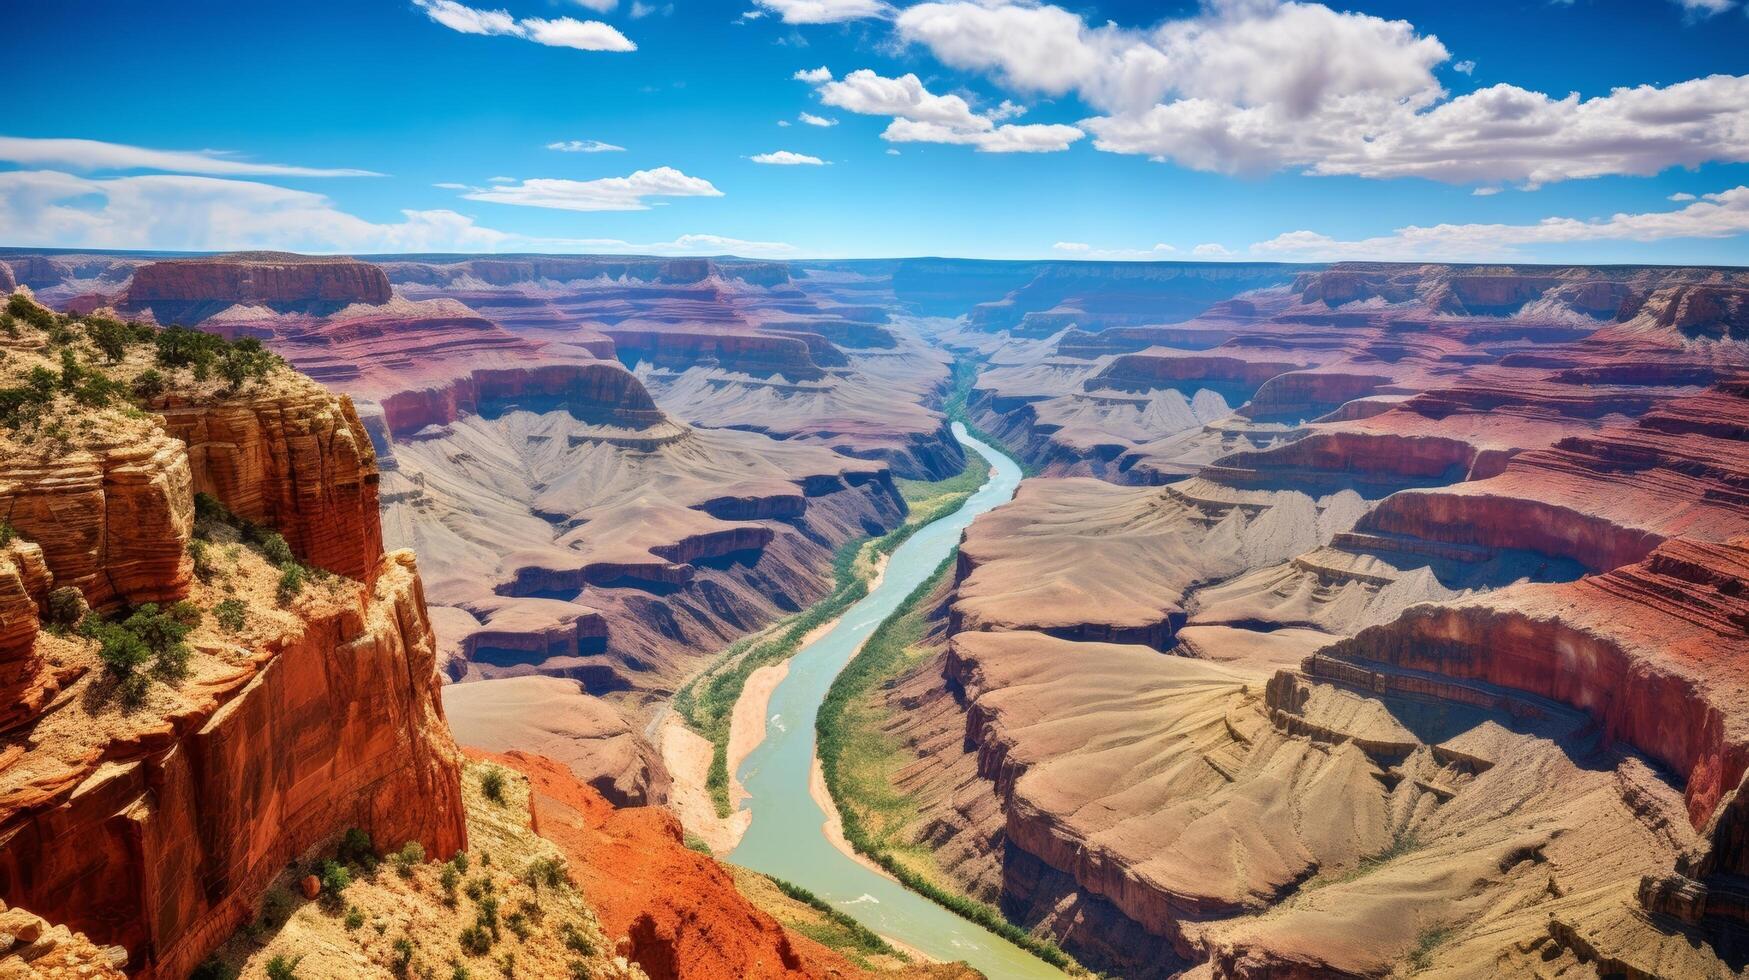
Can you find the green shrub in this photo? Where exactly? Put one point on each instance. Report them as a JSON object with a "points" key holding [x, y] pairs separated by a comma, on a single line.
{"points": [[66, 606], [280, 968], [403, 956], [517, 923], [231, 614], [213, 968], [335, 880], [200, 553], [7, 533], [411, 855], [149, 384], [507, 964], [580, 970], [109, 336], [475, 940], [547, 871], [25, 309], [449, 878], [291, 582], [459, 971], [460, 861], [71, 372], [275, 549], [356, 848], [354, 918], [492, 784], [575, 940]]}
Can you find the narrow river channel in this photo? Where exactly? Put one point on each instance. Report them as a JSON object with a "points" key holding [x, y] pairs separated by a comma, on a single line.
{"points": [[786, 838]]}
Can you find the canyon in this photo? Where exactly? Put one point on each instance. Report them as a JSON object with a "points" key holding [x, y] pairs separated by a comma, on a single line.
{"points": [[1359, 619]]}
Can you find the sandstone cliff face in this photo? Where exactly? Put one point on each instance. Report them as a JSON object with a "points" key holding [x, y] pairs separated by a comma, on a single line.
{"points": [[154, 822], [187, 290], [600, 392], [112, 520], [163, 843], [300, 461]]}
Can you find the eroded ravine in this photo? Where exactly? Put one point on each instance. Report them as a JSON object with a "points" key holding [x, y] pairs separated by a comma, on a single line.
{"points": [[787, 837]]}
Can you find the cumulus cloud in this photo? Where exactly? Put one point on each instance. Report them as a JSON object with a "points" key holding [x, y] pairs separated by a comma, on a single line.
{"points": [[814, 120], [52, 209], [824, 11], [606, 194], [1682, 196], [1465, 67], [921, 116], [1082, 250], [1720, 215], [584, 146], [95, 155], [785, 158], [813, 76], [557, 32], [1211, 250], [1253, 86]]}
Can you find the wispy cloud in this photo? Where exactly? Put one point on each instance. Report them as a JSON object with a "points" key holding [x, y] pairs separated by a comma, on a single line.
{"points": [[556, 32], [584, 146], [627, 193], [1718, 215], [814, 120], [94, 155], [824, 11], [1082, 250], [52, 209], [785, 158]]}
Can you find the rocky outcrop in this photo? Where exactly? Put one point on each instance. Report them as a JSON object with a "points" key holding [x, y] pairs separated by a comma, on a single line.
{"points": [[162, 844], [601, 392], [190, 290], [299, 461], [678, 910], [112, 519], [31, 947], [554, 718]]}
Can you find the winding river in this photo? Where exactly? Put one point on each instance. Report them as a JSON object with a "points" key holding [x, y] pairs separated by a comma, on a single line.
{"points": [[786, 838]]}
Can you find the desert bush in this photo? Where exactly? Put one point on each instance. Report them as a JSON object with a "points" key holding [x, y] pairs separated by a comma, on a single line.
{"points": [[275, 549], [66, 606], [411, 855], [149, 384], [231, 614], [291, 582], [475, 940], [492, 784], [280, 968]]}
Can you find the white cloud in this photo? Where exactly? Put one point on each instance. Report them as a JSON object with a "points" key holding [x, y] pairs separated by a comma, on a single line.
{"points": [[1682, 196], [50, 209], [1720, 215], [1485, 191], [641, 10], [824, 11], [606, 194], [921, 116], [784, 158], [1465, 67], [892, 152], [557, 32], [814, 120], [584, 146], [1253, 86], [1211, 250], [500, 180], [1702, 9], [89, 155], [813, 76], [451, 186], [783, 123], [1082, 250], [599, 6]]}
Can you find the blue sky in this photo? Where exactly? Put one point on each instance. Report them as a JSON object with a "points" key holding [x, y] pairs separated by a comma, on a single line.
{"points": [[1226, 129]]}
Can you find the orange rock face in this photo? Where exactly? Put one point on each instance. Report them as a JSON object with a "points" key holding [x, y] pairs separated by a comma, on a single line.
{"points": [[112, 521], [301, 463], [679, 910], [163, 844]]}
